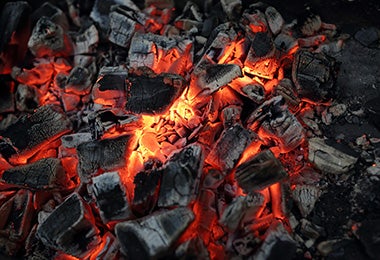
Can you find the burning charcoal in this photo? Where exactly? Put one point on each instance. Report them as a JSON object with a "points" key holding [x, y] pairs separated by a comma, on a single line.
{"points": [[306, 196], [106, 154], [55, 14], [49, 39], [73, 140], [214, 76], [180, 178], [85, 42], [231, 115], [138, 93], [311, 24], [160, 53], [152, 236], [314, 75], [229, 147], [70, 228], [231, 7], [6, 95], [254, 20], [311, 230], [329, 159], [241, 207], [286, 89], [276, 122], [31, 133], [17, 214], [252, 89], [27, 98], [79, 81], [274, 19], [260, 172], [111, 197], [46, 173], [285, 43], [146, 188], [14, 34], [193, 248], [162, 4], [244, 246], [278, 244], [109, 248]]}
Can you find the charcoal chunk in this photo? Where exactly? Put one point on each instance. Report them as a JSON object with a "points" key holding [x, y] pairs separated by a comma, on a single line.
{"points": [[70, 228], [46, 173], [152, 236], [314, 75], [180, 178], [260, 172], [106, 154], [7, 103]]}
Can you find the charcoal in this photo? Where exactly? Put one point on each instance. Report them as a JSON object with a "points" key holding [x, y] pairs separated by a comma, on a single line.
{"points": [[17, 221], [106, 154], [109, 248], [152, 236], [255, 92], [15, 29], [231, 7], [369, 37], [314, 75], [368, 233], [79, 81], [310, 230], [193, 248], [328, 159], [146, 189], [213, 179], [51, 11], [27, 98], [373, 109], [244, 246], [49, 39], [285, 43], [305, 197], [278, 123], [70, 228], [85, 42], [215, 76], [229, 147], [160, 53], [254, 20], [230, 115], [260, 172], [7, 103], [180, 177], [73, 140], [122, 25], [145, 93], [111, 197], [310, 24], [241, 207], [31, 133], [43, 174], [162, 4], [278, 244], [286, 89], [274, 19]]}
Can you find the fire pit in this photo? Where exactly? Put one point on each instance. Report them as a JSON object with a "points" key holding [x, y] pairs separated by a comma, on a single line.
{"points": [[187, 130]]}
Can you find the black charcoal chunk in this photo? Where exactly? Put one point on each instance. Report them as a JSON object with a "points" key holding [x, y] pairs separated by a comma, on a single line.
{"points": [[31, 132], [46, 173], [229, 147], [278, 123], [27, 98], [79, 81], [7, 102], [274, 19], [53, 12], [70, 228], [314, 75], [260, 172], [106, 154], [180, 177], [305, 197], [193, 248], [369, 37], [111, 197], [151, 237], [73, 140]]}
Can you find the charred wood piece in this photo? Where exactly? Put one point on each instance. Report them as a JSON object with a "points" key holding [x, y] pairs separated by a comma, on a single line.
{"points": [[240, 208], [285, 43], [254, 90], [51, 11], [7, 103], [260, 172], [231, 115], [49, 39], [70, 228], [278, 123], [328, 159], [106, 154], [229, 147], [111, 197], [27, 98], [160, 53], [274, 19], [144, 93], [181, 174], [286, 89], [73, 140], [193, 248], [232, 8], [305, 197], [278, 244], [314, 75], [46, 173], [31, 133], [79, 81], [152, 236], [214, 76], [86, 42]]}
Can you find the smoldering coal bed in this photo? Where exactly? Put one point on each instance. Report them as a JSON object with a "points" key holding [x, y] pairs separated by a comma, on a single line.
{"points": [[188, 130]]}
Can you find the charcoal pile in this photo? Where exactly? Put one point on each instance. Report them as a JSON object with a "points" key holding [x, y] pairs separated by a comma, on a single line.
{"points": [[186, 130]]}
